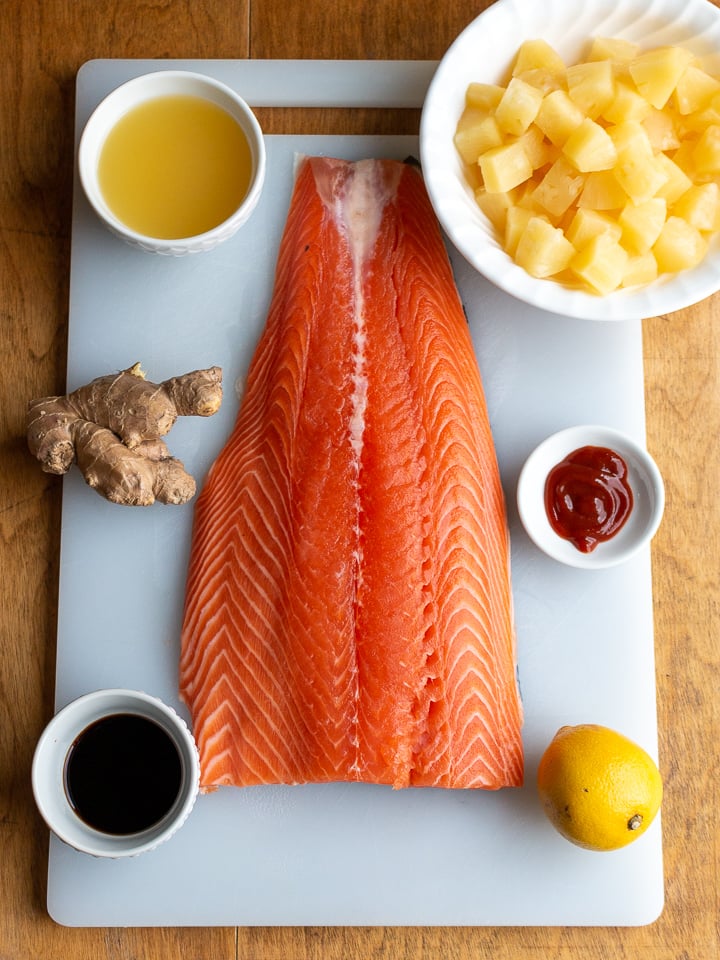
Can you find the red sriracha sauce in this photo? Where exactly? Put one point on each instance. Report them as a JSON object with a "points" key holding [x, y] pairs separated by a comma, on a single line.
{"points": [[587, 497]]}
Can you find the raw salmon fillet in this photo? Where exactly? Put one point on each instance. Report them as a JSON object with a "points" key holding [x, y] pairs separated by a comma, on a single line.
{"points": [[348, 610]]}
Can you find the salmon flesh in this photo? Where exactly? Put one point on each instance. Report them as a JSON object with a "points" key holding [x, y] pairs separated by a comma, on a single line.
{"points": [[348, 611]]}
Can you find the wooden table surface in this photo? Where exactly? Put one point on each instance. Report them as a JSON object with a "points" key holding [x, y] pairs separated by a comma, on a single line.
{"points": [[42, 45]]}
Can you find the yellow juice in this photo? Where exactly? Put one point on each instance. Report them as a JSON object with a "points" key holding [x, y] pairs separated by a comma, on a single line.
{"points": [[174, 166]]}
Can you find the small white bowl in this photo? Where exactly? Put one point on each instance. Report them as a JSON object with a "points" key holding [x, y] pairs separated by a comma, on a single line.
{"points": [[49, 765], [643, 477], [484, 52], [147, 87]]}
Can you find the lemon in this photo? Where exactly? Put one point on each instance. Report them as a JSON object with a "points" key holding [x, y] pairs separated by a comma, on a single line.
{"points": [[599, 789]]}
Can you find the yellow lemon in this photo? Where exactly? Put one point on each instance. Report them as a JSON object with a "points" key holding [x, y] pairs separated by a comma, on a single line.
{"points": [[598, 788]]}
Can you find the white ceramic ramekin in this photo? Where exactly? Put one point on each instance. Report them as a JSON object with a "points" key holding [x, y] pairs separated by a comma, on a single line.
{"points": [[158, 84], [48, 772], [645, 482]]}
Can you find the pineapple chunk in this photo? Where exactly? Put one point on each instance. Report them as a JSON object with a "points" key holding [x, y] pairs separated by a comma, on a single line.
{"points": [[601, 264], [637, 170], [602, 192], [627, 104], [473, 177], [558, 116], [539, 152], [559, 188], [515, 226], [656, 72], [700, 206], [641, 224], [640, 270], [699, 120], [631, 138], [538, 55], [661, 131], [591, 86], [495, 206], [706, 153], [474, 138], [543, 250], [614, 49], [640, 177], [676, 184], [483, 96], [543, 80], [504, 167], [588, 224], [679, 246], [590, 148], [683, 158], [518, 107], [694, 90], [526, 200]]}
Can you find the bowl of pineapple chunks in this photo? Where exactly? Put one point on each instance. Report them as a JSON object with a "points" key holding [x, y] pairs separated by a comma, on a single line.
{"points": [[572, 153]]}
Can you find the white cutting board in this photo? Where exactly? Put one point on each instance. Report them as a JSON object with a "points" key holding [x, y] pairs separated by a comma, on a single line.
{"points": [[344, 854]]}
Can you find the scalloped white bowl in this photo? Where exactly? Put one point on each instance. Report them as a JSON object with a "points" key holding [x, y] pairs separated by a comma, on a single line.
{"points": [[483, 52], [146, 87], [48, 772], [645, 482]]}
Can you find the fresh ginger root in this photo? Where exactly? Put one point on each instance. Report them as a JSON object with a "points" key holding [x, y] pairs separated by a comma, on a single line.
{"points": [[112, 429]]}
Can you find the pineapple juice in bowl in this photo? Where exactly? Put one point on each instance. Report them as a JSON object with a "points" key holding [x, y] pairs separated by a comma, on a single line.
{"points": [[173, 162], [175, 166], [535, 251]]}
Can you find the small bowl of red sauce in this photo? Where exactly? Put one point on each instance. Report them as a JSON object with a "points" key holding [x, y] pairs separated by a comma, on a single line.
{"points": [[590, 496]]}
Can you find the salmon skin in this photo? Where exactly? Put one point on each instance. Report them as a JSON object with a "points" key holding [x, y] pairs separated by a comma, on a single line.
{"points": [[348, 611]]}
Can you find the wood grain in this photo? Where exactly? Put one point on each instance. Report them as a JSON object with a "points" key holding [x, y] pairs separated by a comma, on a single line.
{"points": [[43, 44]]}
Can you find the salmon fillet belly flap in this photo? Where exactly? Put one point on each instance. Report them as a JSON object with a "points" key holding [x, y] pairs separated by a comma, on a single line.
{"points": [[348, 611]]}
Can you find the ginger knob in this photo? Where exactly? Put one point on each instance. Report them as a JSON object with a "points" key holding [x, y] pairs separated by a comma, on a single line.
{"points": [[112, 429]]}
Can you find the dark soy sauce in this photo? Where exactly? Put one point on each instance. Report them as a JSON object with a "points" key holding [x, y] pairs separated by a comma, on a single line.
{"points": [[122, 774]]}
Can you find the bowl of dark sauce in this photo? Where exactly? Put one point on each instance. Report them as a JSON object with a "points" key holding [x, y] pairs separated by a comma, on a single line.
{"points": [[115, 773]]}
